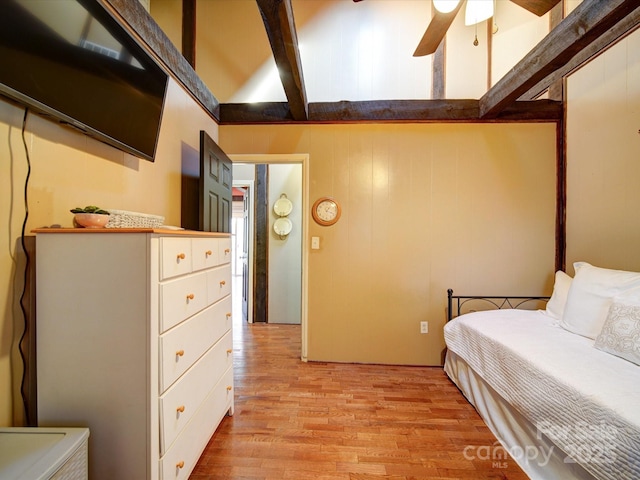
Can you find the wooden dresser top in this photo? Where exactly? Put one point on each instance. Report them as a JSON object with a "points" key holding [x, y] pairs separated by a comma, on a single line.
{"points": [[159, 231]]}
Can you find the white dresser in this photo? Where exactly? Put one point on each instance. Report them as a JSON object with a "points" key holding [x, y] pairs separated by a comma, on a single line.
{"points": [[134, 342]]}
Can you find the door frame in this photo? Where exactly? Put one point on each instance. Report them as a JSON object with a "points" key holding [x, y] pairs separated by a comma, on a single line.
{"points": [[303, 159], [249, 185]]}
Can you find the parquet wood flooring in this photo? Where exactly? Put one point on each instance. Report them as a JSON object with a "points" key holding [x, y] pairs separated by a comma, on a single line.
{"points": [[331, 421]]}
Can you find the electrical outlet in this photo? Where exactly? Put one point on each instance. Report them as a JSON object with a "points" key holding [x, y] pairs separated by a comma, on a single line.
{"points": [[424, 327]]}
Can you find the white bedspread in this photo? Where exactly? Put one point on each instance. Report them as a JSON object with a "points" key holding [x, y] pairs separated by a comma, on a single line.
{"points": [[586, 401]]}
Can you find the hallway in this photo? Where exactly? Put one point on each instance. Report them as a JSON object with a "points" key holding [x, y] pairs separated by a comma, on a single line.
{"points": [[330, 421]]}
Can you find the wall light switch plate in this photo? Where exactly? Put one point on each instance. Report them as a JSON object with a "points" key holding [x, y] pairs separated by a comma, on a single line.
{"points": [[315, 243], [424, 327]]}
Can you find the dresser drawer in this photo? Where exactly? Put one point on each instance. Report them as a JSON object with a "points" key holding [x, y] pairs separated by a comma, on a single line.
{"points": [[182, 400], [175, 257], [182, 298], [181, 458], [205, 252], [224, 250], [218, 283], [183, 345]]}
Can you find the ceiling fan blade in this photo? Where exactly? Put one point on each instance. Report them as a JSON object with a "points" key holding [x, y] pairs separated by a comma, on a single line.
{"points": [[539, 7], [436, 31]]}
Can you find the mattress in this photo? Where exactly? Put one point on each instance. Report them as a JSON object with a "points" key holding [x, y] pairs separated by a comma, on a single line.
{"points": [[536, 454], [583, 400]]}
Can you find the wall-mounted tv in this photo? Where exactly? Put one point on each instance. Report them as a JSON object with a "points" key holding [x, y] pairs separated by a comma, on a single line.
{"points": [[72, 60]]}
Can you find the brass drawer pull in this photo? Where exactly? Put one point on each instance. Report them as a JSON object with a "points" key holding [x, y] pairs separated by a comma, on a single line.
{"points": [[228, 315], [180, 464], [229, 388], [191, 296], [222, 283], [179, 353], [180, 408], [208, 253], [181, 256], [227, 251], [229, 351]]}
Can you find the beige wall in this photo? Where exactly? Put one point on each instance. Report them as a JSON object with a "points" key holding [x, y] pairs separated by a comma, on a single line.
{"points": [[603, 159], [509, 45], [67, 170], [425, 208], [168, 15]]}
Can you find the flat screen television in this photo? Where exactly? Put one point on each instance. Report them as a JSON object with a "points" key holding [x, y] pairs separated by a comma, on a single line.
{"points": [[73, 61]]}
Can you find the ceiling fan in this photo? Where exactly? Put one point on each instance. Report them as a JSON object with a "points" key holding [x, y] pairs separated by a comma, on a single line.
{"points": [[446, 10]]}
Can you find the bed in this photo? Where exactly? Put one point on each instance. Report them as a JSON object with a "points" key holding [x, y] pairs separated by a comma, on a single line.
{"points": [[559, 386]]}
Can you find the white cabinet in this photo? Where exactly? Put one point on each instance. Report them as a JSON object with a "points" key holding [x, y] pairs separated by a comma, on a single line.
{"points": [[134, 341], [43, 453]]}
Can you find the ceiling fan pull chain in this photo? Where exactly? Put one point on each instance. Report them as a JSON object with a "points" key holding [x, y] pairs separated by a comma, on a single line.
{"points": [[495, 17]]}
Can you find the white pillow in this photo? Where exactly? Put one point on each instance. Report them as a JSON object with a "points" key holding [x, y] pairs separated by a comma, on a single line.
{"points": [[590, 296], [620, 333], [555, 305]]}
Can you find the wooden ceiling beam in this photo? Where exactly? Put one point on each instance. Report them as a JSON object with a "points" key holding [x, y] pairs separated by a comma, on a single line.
{"points": [[388, 111], [139, 21], [627, 25], [439, 68], [189, 31], [590, 20], [556, 88], [277, 16]]}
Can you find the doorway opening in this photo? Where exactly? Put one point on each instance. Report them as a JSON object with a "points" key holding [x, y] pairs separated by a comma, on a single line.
{"points": [[286, 301], [242, 203]]}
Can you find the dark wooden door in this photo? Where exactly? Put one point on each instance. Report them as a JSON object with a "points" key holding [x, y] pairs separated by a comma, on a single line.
{"points": [[215, 186]]}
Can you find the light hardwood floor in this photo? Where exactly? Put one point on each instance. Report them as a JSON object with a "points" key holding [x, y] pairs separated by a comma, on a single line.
{"points": [[326, 421]]}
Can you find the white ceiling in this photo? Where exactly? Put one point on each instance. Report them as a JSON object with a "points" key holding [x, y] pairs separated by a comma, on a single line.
{"points": [[349, 50]]}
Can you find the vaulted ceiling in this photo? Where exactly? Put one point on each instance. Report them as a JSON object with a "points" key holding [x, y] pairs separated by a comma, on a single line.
{"points": [[591, 24], [588, 29]]}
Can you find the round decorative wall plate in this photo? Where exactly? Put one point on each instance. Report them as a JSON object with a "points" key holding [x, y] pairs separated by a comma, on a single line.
{"points": [[282, 226], [283, 206]]}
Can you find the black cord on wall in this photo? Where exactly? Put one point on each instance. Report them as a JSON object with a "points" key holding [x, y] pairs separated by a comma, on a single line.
{"points": [[23, 391]]}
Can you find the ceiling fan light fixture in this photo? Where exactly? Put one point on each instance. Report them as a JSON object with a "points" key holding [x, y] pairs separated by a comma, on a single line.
{"points": [[478, 11], [445, 6]]}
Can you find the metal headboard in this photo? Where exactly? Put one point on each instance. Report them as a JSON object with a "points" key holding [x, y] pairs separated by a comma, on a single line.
{"points": [[455, 303]]}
